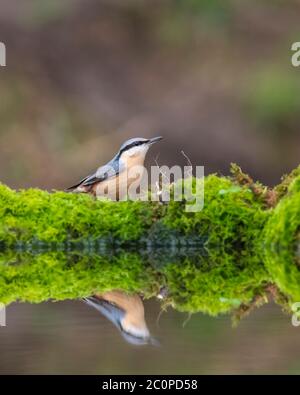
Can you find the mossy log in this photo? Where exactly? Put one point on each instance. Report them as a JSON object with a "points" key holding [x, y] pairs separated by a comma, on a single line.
{"points": [[233, 215], [282, 242], [59, 245]]}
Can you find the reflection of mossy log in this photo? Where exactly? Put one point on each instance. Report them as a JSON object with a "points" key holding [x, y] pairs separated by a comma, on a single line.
{"points": [[282, 241], [216, 283], [237, 220], [59, 276], [211, 284]]}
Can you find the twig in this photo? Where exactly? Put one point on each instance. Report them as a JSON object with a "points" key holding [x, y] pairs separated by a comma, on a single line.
{"points": [[190, 173]]}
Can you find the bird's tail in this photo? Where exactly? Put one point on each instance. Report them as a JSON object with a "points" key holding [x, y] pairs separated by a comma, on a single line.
{"points": [[72, 189]]}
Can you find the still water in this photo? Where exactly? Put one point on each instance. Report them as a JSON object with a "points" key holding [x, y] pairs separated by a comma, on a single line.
{"points": [[135, 312], [72, 338]]}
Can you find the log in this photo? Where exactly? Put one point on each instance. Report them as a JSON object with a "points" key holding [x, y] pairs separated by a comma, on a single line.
{"points": [[58, 245]]}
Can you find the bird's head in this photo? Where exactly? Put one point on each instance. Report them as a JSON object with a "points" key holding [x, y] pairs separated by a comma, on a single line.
{"points": [[132, 325], [135, 331], [136, 147], [139, 338]]}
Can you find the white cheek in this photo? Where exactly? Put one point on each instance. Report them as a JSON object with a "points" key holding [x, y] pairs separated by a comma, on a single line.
{"points": [[135, 151]]}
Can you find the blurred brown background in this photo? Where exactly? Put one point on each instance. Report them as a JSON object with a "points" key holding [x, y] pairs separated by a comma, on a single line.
{"points": [[213, 77]]}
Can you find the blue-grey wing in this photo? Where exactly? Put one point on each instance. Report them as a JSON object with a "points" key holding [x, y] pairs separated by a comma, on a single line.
{"points": [[102, 173], [109, 310]]}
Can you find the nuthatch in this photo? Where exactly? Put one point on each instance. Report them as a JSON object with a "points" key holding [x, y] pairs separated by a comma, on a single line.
{"points": [[126, 312], [114, 175]]}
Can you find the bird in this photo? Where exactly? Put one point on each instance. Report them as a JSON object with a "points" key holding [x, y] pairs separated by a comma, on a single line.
{"points": [[126, 312], [112, 180]]}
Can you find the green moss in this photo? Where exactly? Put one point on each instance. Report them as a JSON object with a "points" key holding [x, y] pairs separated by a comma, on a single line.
{"points": [[232, 273], [281, 237], [59, 276], [233, 226], [59, 216], [232, 215], [283, 188], [217, 283], [212, 284]]}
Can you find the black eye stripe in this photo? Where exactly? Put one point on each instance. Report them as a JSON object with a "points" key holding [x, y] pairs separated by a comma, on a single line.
{"points": [[135, 144]]}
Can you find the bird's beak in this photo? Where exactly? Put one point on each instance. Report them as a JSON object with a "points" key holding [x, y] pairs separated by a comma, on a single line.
{"points": [[155, 140]]}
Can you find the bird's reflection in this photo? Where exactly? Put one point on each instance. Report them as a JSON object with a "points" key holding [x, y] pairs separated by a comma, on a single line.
{"points": [[126, 312]]}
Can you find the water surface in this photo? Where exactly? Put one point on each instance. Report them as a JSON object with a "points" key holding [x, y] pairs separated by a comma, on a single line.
{"points": [[69, 337]]}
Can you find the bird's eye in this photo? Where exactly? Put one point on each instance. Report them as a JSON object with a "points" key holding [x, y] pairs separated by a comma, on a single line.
{"points": [[135, 145]]}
